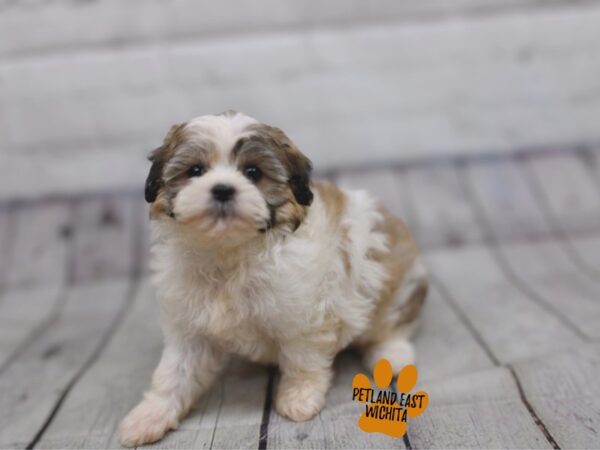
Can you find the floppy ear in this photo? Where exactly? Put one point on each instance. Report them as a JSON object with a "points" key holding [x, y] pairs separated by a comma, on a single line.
{"points": [[154, 179], [158, 156], [301, 168]]}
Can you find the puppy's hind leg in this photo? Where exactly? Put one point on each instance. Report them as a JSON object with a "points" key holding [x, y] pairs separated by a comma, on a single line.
{"points": [[395, 347], [393, 342]]}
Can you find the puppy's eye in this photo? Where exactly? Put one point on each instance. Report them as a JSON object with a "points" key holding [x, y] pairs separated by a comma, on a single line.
{"points": [[253, 173], [196, 171]]}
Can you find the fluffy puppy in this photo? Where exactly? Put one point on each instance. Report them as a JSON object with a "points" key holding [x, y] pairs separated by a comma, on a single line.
{"points": [[252, 258]]}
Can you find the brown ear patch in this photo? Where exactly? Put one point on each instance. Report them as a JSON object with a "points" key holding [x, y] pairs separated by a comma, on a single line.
{"points": [[298, 166], [158, 157]]}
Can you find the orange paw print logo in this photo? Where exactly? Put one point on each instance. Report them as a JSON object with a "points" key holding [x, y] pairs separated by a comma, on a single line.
{"points": [[387, 411]]}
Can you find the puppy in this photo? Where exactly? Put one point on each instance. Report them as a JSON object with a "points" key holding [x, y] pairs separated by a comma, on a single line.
{"points": [[250, 257]]}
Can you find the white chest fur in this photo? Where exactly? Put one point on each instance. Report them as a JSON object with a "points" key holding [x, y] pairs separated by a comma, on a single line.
{"points": [[279, 290]]}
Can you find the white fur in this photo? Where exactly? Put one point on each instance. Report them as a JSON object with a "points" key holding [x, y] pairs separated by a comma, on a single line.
{"points": [[277, 298]]}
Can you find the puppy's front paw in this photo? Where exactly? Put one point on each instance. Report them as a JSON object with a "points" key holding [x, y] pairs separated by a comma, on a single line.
{"points": [[298, 402], [146, 423]]}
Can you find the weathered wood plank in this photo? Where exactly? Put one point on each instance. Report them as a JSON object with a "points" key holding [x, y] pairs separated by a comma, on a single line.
{"points": [[565, 187], [564, 390], [240, 409], [104, 230], [336, 426], [479, 410], [438, 197], [33, 385], [58, 24], [39, 252], [543, 270], [90, 415], [513, 326], [440, 334], [484, 301], [24, 314], [571, 198], [91, 117], [504, 196]]}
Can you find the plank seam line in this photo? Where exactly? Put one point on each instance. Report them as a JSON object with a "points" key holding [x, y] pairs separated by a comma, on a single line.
{"points": [[70, 260], [494, 246], [104, 340], [415, 18], [39, 330], [456, 309], [264, 423], [406, 441], [446, 296], [59, 302], [561, 231], [221, 400], [405, 438], [531, 411]]}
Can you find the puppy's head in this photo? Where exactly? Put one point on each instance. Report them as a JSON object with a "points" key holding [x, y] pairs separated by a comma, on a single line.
{"points": [[228, 178]]}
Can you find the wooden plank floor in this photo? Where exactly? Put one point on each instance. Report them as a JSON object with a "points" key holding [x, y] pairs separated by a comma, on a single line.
{"points": [[509, 348]]}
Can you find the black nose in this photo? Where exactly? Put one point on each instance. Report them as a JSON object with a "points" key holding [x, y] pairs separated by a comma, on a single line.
{"points": [[222, 192]]}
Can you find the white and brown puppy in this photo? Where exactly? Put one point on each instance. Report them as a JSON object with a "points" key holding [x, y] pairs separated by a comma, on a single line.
{"points": [[252, 258]]}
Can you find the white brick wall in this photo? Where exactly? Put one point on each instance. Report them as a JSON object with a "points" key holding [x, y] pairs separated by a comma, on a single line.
{"points": [[87, 88]]}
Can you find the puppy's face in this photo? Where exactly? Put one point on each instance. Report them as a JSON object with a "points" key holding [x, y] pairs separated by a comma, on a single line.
{"points": [[228, 178]]}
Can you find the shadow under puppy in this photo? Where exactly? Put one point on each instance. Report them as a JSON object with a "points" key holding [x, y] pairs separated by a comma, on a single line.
{"points": [[251, 257]]}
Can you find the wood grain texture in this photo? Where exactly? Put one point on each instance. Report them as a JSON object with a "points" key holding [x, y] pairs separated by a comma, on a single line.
{"points": [[240, 408], [104, 231], [567, 190], [512, 325], [542, 270], [33, 384], [374, 95], [570, 196], [504, 197], [498, 303], [478, 410], [438, 198], [25, 314], [39, 252], [90, 415], [488, 297], [563, 389], [545, 270], [444, 346]]}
